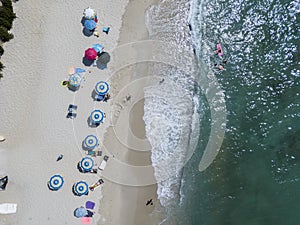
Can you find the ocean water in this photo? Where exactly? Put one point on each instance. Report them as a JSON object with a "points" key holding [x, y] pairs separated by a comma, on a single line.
{"points": [[255, 177]]}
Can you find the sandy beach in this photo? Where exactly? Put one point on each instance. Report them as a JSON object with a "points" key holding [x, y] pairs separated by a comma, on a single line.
{"points": [[33, 106]]}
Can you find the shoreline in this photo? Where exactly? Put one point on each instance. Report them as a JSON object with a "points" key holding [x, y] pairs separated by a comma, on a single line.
{"points": [[128, 204]]}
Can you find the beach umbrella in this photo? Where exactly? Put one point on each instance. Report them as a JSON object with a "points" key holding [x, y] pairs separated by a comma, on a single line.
{"points": [[90, 54], [104, 58], [80, 212], [97, 116], [90, 142], [98, 48], [56, 182], [87, 164], [102, 88], [90, 24], [89, 13], [75, 80], [81, 188]]}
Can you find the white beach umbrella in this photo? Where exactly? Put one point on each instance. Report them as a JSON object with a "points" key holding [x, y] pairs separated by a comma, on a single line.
{"points": [[90, 142], [87, 164], [102, 88], [97, 116], [89, 13]]}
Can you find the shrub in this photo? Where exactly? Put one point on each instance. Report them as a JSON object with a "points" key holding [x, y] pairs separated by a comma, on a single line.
{"points": [[7, 4], [1, 67], [4, 35], [1, 50], [5, 23], [7, 14]]}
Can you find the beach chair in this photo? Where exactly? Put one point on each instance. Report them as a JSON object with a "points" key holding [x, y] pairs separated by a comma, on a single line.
{"points": [[94, 186], [71, 115], [72, 107], [94, 153], [103, 163]]}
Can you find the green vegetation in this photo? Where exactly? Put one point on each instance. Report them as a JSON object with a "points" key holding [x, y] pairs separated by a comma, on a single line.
{"points": [[1, 67], [4, 35], [7, 17]]}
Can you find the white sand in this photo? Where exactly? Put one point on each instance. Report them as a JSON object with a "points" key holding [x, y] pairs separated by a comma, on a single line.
{"points": [[33, 105]]}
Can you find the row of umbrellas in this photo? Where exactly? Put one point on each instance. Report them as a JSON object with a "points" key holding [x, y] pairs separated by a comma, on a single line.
{"points": [[79, 188], [97, 116]]}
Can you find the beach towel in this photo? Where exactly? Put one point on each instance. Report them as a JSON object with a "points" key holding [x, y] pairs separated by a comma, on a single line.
{"points": [[71, 70], [79, 70], [89, 205], [86, 220]]}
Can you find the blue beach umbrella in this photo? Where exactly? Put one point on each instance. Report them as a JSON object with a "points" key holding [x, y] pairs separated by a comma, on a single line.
{"points": [[90, 24], [90, 142], [56, 182], [80, 212], [98, 48], [97, 116], [87, 164], [102, 88], [81, 188], [75, 80]]}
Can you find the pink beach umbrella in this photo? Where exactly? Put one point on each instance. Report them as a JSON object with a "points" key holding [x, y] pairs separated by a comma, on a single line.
{"points": [[90, 54]]}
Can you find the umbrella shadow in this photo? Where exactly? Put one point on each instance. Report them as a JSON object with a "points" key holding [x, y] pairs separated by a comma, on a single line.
{"points": [[101, 66], [94, 95], [83, 19], [87, 32], [90, 124], [103, 60], [48, 184], [79, 168], [87, 62], [72, 88], [84, 147]]}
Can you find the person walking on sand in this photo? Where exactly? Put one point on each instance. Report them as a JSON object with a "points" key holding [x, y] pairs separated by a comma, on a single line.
{"points": [[149, 202]]}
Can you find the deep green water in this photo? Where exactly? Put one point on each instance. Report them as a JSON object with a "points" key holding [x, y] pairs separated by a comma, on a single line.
{"points": [[255, 179]]}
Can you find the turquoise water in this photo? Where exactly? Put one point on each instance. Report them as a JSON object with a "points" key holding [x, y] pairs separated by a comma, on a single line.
{"points": [[255, 177]]}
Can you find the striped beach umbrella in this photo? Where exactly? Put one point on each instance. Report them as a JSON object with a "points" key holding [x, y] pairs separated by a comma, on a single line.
{"points": [[75, 80], [89, 13], [97, 116], [87, 164], [81, 188], [56, 182], [90, 142], [102, 88]]}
